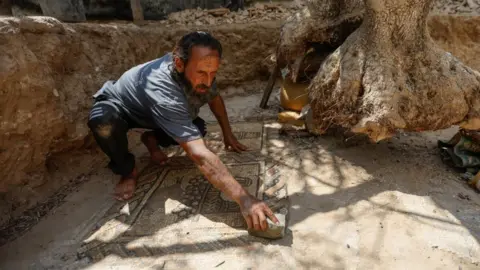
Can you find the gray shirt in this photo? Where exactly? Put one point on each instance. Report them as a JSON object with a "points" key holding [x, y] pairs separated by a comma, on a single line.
{"points": [[153, 97]]}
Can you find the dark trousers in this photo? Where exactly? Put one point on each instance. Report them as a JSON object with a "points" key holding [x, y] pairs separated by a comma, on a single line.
{"points": [[109, 125]]}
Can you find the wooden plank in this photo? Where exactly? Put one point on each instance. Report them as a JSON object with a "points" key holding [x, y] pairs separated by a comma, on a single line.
{"points": [[219, 11], [137, 10], [268, 90]]}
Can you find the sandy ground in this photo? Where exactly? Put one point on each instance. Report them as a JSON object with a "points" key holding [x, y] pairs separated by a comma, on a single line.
{"points": [[391, 205]]}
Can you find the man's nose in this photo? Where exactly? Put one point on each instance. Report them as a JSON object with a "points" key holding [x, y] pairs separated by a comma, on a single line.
{"points": [[209, 80]]}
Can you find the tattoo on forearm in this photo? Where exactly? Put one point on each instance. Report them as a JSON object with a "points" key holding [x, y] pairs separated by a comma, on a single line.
{"points": [[217, 173]]}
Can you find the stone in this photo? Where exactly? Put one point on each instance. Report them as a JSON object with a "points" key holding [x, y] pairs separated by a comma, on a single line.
{"points": [[274, 231], [472, 4], [175, 17], [199, 14], [211, 20], [219, 11], [282, 9], [64, 10], [263, 12], [260, 6]]}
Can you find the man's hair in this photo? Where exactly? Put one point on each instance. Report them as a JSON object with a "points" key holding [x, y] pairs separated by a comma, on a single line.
{"points": [[184, 46]]}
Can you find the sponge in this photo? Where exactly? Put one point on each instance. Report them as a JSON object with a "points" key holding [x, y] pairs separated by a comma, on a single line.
{"points": [[274, 231]]}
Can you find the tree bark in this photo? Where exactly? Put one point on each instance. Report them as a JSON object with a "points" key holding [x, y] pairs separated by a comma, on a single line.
{"points": [[326, 22], [320, 22], [390, 75]]}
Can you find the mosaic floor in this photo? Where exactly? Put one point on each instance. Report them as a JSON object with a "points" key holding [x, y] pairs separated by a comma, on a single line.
{"points": [[175, 209]]}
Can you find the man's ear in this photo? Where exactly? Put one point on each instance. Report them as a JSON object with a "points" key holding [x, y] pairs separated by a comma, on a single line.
{"points": [[179, 64]]}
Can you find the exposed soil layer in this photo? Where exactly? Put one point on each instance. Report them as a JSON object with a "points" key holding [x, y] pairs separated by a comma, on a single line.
{"points": [[50, 71]]}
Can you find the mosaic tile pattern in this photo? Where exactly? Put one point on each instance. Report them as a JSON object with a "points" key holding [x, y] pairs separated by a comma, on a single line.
{"points": [[178, 205]]}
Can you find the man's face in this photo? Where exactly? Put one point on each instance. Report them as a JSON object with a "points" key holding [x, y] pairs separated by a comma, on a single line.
{"points": [[201, 68]]}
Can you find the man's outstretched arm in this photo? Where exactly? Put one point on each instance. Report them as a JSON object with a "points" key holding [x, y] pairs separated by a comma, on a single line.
{"points": [[253, 210], [217, 106]]}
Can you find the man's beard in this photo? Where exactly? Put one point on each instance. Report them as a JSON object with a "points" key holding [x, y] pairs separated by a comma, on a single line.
{"points": [[180, 77]]}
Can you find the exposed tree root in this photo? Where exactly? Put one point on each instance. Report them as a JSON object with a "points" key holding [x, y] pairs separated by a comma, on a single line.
{"points": [[389, 75], [325, 22]]}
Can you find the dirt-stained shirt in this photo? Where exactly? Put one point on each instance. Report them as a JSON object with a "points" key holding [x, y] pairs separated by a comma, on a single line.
{"points": [[153, 97]]}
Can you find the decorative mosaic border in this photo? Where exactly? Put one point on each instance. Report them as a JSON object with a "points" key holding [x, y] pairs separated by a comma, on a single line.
{"points": [[271, 187]]}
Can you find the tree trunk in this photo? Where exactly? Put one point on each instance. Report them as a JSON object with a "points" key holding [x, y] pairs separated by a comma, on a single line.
{"points": [[389, 75], [326, 22]]}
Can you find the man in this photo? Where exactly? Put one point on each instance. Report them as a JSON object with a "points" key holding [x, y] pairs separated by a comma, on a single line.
{"points": [[164, 96]]}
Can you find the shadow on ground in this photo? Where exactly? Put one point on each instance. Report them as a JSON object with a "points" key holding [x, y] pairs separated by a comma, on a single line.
{"points": [[381, 176], [364, 205], [176, 211]]}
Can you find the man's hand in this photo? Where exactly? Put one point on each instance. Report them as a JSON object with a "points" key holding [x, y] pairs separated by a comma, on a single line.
{"points": [[255, 213], [218, 108], [231, 143]]}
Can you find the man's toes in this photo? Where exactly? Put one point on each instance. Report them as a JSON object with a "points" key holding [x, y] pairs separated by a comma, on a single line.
{"points": [[125, 190], [124, 196], [164, 162], [118, 197]]}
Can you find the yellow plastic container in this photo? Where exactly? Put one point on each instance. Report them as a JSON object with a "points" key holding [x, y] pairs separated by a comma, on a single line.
{"points": [[293, 96]]}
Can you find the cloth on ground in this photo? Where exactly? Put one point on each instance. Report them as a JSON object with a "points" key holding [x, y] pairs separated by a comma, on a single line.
{"points": [[462, 151]]}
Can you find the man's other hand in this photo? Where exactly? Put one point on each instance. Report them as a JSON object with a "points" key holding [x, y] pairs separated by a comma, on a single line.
{"points": [[255, 213], [231, 143]]}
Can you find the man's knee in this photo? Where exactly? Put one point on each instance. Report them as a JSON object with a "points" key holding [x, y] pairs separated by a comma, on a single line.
{"points": [[101, 129], [103, 120]]}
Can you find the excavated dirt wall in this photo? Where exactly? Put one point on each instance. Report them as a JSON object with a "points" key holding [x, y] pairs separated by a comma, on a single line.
{"points": [[49, 70]]}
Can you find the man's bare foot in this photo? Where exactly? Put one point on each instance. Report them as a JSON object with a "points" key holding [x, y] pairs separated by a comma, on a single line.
{"points": [[156, 154], [126, 187], [159, 157]]}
